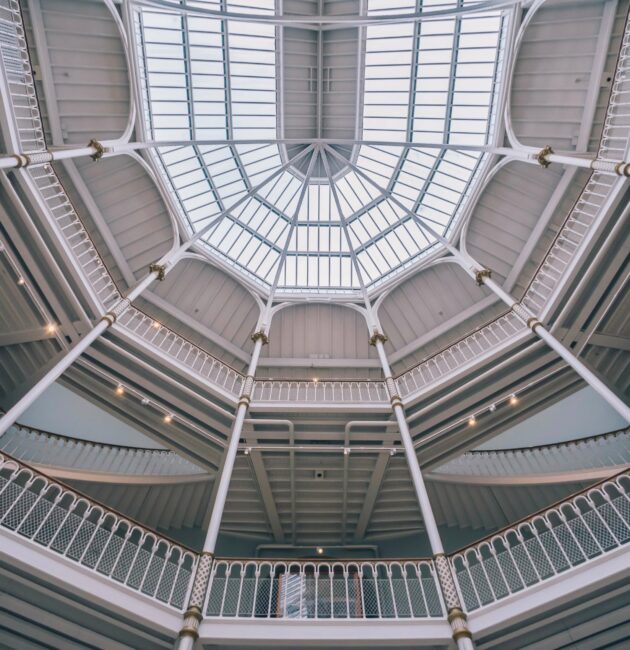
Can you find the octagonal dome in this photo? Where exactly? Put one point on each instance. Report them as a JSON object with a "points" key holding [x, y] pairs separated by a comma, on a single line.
{"points": [[355, 107]]}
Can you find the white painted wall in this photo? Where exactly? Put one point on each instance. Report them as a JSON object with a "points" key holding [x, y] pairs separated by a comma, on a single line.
{"points": [[580, 415], [60, 411]]}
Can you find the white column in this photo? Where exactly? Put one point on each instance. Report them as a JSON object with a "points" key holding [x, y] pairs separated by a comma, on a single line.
{"points": [[410, 453], [194, 613], [455, 613], [51, 376], [538, 328], [230, 455], [106, 321]]}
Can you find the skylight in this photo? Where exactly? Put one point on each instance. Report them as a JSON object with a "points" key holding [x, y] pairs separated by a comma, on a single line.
{"points": [[205, 77]]}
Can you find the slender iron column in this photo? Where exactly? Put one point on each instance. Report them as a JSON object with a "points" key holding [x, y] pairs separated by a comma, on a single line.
{"points": [[157, 271], [455, 612], [483, 277], [194, 613], [540, 330], [456, 617]]}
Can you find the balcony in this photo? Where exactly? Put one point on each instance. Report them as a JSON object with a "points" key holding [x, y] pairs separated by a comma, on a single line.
{"points": [[72, 541]]}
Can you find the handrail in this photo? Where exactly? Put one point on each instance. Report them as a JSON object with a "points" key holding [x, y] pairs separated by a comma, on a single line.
{"points": [[287, 589], [555, 504], [574, 531], [60, 436], [550, 445], [585, 526], [7, 459], [94, 536]]}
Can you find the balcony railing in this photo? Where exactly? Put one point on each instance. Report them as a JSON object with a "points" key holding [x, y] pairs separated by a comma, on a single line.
{"points": [[324, 390], [462, 352], [18, 77], [573, 533], [181, 351], [323, 590], [55, 518], [570, 534]]}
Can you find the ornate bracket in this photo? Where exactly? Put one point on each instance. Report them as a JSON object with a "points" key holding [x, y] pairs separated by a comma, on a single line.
{"points": [[377, 336], [260, 334], [541, 156], [100, 150], [159, 269], [481, 274]]}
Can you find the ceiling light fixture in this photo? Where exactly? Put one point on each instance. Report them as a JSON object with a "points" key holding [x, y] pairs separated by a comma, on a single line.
{"points": [[513, 399], [315, 380], [120, 390], [472, 420], [51, 328], [156, 325], [320, 550], [21, 281], [168, 418], [493, 408]]}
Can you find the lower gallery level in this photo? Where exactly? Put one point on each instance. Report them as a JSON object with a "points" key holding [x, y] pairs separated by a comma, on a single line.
{"points": [[314, 324]]}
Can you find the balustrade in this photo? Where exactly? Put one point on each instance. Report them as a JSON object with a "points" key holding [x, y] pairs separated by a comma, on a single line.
{"points": [[574, 532], [323, 390], [323, 590], [58, 519], [18, 78], [571, 533], [181, 350], [455, 356]]}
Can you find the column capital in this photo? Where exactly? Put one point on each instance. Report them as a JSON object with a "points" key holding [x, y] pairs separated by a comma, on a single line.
{"points": [[260, 334], [541, 156], [480, 274], [99, 150], [158, 269], [377, 336]]}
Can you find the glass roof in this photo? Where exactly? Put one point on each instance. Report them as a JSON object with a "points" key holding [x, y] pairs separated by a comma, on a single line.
{"points": [[211, 78]]}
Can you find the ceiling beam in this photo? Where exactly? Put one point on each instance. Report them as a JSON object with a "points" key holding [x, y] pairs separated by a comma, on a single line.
{"points": [[610, 341], [264, 487], [374, 487]]}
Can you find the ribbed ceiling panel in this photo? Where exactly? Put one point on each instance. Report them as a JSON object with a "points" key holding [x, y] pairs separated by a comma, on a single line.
{"points": [[88, 68], [553, 73], [132, 209]]}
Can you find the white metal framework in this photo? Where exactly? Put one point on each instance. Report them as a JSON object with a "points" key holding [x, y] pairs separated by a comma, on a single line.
{"points": [[213, 78]]}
